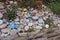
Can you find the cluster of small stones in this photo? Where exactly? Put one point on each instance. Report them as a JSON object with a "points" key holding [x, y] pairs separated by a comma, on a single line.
{"points": [[7, 34]]}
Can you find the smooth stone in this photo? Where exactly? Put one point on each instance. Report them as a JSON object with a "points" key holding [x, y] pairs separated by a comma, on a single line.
{"points": [[13, 32], [3, 26], [26, 28], [40, 21], [17, 22], [58, 25], [1, 22], [15, 2], [38, 27], [17, 19], [21, 26], [0, 35], [1, 5], [1, 15], [35, 17], [34, 11], [11, 2], [47, 26], [4, 35], [5, 30], [4, 20], [31, 9], [41, 25], [46, 12], [30, 24]]}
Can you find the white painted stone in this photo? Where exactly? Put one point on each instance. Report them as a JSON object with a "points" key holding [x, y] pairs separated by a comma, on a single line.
{"points": [[47, 26], [26, 28]]}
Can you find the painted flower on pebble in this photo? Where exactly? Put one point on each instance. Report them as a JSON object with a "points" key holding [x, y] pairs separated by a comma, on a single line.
{"points": [[25, 11], [13, 25], [26, 28]]}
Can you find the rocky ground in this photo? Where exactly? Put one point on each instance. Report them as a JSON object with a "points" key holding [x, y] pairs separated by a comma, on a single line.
{"points": [[6, 33]]}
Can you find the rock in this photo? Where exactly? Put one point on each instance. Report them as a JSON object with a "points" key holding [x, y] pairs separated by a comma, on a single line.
{"points": [[17, 22], [38, 27], [15, 2], [47, 26], [40, 20], [3, 26], [4, 20], [2, 35], [1, 5], [13, 32], [30, 24], [1, 22], [26, 28], [13, 25], [41, 25], [58, 25], [1, 15], [5, 32], [34, 11], [35, 17], [17, 19], [11, 2]]}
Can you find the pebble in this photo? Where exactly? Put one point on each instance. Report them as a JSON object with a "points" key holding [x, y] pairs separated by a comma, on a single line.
{"points": [[5, 32], [26, 28], [3, 26], [1, 15], [13, 32], [30, 19], [47, 26], [30, 24], [17, 23], [1, 22], [38, 27]]}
